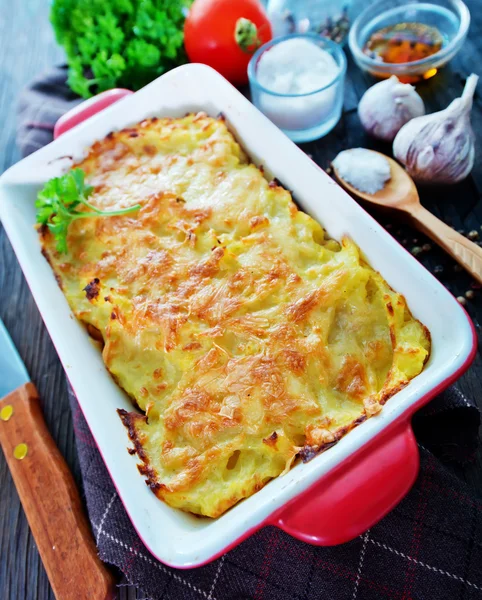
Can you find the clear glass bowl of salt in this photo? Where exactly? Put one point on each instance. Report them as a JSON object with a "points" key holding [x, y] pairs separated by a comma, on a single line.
{"points": [[297, 81]]}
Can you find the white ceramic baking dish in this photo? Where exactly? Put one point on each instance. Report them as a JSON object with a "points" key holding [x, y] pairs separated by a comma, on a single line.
{"points": [[339, 493]]}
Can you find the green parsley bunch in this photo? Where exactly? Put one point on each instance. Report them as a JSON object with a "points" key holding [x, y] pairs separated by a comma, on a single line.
{"points": [[119, 43]]}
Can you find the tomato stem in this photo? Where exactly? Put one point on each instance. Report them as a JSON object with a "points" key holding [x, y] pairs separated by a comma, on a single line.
{"points": [[246, 35]]}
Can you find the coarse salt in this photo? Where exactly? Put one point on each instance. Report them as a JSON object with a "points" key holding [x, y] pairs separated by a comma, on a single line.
{"points": [[296, 69], [365, 170], [296, 66]]}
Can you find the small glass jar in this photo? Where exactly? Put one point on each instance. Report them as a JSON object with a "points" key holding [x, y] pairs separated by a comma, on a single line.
{"points": [[302, 117], [329, 18], [451, 18]]}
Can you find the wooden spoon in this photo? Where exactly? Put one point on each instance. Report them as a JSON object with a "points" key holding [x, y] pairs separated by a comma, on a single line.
{"points": [[401, 194]]}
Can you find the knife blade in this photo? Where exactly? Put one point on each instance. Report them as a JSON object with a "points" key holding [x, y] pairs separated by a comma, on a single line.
{"points": [[46, 487], [13, 373]]}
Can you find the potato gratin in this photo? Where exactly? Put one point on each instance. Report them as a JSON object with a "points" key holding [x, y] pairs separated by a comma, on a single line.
{"points": [[244, 335]]}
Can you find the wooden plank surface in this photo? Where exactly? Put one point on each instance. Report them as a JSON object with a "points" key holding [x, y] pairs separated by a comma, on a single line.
{"points": [[26, 48]]}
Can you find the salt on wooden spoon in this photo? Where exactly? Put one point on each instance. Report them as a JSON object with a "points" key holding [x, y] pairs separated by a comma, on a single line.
{"points": [[399, 193]]}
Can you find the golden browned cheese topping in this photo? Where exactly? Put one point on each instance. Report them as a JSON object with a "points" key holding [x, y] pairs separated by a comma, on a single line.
{"points": [[244, 335]]}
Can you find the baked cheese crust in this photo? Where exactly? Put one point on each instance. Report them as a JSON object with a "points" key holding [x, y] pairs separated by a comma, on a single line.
{"points": [[243, 334]]}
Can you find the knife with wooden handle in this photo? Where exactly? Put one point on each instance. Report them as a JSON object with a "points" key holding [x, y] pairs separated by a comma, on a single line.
{"points": [[46, 488]]}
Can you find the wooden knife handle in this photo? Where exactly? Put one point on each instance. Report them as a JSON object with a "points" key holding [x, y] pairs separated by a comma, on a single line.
{"points": [[51, 501]]}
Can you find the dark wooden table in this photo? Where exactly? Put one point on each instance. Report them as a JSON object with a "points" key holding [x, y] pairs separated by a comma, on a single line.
{"points": [[26, 48]]}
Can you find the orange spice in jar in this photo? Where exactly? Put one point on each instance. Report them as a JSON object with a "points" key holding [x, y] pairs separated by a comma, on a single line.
{"points": [[404, 43]]}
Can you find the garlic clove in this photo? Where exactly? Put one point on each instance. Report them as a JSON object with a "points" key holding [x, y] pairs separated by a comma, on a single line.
{"points": [[439, 148], [425, 157], [387, 106]]}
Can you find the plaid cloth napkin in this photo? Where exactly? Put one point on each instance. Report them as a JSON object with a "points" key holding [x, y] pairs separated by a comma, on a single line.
{"points": [[428, 548]]}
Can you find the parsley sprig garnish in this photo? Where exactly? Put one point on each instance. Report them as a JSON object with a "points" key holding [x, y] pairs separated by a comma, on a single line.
{"points": [[58, 201]]}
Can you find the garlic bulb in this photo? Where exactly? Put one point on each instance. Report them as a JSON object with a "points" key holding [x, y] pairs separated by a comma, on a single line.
{"points": [[439, 148], [387, 106]]}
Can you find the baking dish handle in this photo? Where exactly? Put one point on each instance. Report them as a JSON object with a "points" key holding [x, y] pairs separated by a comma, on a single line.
{"points": [[87, 109], [357, 494]]}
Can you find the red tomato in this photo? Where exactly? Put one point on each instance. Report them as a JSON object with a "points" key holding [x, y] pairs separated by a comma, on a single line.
{"points": [[214, 35]]}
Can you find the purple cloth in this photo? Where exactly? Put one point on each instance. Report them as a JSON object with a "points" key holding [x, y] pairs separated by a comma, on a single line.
{"points": [[428, 548]]}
